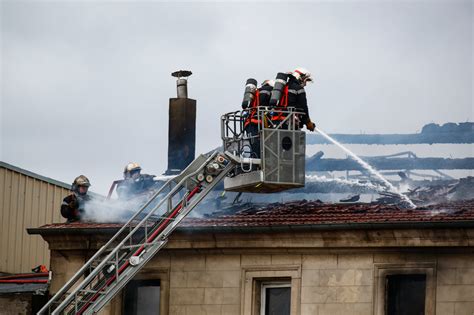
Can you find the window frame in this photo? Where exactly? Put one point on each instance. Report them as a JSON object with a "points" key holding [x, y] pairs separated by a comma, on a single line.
{"points": [[382, 270], [135, 285], [147, 273], [253, 277], [269, 285]]}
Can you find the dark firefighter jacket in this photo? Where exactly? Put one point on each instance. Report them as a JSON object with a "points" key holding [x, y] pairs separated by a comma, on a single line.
{"points": [[130, 188], [297, 98], [265, 93], [72, 207]]}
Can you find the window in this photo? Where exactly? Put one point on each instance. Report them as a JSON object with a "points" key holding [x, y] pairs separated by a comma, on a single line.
{"points": [[142, 297], [275, 298], [406, 294], [271, 290], [406, 288]]}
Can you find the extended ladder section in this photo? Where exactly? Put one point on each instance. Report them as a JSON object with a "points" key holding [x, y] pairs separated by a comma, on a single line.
{"points": [[279, 165], [116, 263]]}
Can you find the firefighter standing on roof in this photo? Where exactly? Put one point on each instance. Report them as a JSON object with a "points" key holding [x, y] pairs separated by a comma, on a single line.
{"points": [[72, 207], [134, 183]]}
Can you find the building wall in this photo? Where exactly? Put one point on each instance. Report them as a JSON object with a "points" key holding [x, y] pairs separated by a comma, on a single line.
{"points": [[14, 304], [330, 284], [331, 272], [325, 283], [26, 200]]}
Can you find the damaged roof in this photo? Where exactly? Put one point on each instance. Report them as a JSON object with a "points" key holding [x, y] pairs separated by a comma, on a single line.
{"points": [[305, 214]]}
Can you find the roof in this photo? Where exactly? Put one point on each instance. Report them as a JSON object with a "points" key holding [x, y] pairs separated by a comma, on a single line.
{"points": [[305, 214], [41, 177], [34, 175]]}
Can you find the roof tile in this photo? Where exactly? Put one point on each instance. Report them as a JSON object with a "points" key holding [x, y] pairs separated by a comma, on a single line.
{"points": [[303, 213]]}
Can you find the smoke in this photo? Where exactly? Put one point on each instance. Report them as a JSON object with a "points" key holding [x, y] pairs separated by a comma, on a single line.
{"points": [[436, 212], [112, 210], [404, 187]]}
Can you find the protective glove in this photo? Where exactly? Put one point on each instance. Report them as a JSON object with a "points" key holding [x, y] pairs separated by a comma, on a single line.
{"points": [[74, 204], [310, 125]]}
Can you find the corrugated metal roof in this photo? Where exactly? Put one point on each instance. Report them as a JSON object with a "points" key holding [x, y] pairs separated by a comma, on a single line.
{"points": [[27, 200], [34, 175]]}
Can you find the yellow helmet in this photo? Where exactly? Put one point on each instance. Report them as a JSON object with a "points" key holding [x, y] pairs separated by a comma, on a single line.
{"points": [[80, 181], [129, 168]]}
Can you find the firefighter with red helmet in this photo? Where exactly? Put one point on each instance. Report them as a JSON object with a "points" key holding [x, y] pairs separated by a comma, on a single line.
{"points": [[297, 80], [73, 205], [289, 92]]}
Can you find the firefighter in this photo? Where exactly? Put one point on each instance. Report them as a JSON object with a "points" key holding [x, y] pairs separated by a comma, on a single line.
{"points": [[289, 92], [265, 91], [134, 183], [252, 100], [72, 207], [297, 80]]}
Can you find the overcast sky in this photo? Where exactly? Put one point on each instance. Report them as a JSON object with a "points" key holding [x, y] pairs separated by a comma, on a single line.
{"points": [[85, 85]]}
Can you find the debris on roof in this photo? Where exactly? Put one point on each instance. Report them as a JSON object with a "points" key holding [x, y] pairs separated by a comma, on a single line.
{"points": [[306, 213]]}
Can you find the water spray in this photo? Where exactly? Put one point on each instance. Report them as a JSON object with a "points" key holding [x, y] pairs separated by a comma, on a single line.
{"points": [[369, 168], [340, 181]]}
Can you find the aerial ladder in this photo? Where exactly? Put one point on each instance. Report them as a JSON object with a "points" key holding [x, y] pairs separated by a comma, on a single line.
{"points": [[278, 166]]}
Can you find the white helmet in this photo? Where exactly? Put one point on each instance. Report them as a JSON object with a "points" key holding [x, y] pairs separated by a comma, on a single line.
{"points": [[302, 75], [79, 181], [269, 82], [129, 168]]}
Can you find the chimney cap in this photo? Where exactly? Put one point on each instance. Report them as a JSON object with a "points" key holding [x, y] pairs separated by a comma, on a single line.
{"points": [[181, 73]]}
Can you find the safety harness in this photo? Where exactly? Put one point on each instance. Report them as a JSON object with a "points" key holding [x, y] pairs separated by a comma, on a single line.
{"points": [[283, 103], [252, 117]]}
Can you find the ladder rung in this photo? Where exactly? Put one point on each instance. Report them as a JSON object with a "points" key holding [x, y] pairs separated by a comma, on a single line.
{"points": [[142, 244], [91, 291]]}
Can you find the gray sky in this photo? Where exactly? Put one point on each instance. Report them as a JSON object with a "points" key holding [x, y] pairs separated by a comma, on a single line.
{"points": [[85, 85]]}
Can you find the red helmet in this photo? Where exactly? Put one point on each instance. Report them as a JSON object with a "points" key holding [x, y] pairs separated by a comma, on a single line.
{"points": [[302, 75]]}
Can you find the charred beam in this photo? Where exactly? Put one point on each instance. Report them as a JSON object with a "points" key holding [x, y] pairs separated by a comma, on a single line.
{"points": [[324, 165], [431, 133]]}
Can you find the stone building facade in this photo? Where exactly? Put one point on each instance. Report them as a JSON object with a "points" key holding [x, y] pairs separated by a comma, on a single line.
{"points": [[227, 266]]}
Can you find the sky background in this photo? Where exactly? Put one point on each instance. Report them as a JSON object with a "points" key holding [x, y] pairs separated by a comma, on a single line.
{"points": [[85, 85]]}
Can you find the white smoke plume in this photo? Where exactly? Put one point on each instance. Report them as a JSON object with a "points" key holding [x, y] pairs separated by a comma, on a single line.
{"points": [[112, 210]]}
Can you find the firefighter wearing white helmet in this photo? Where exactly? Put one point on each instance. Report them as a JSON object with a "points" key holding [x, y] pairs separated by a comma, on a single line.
{"points": [[134, 183], [73, 205], [302, 75], [131, 170], [297, 80]]}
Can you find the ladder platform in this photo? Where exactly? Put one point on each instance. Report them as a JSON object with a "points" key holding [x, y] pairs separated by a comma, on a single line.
{"points": [[254, 182]]}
